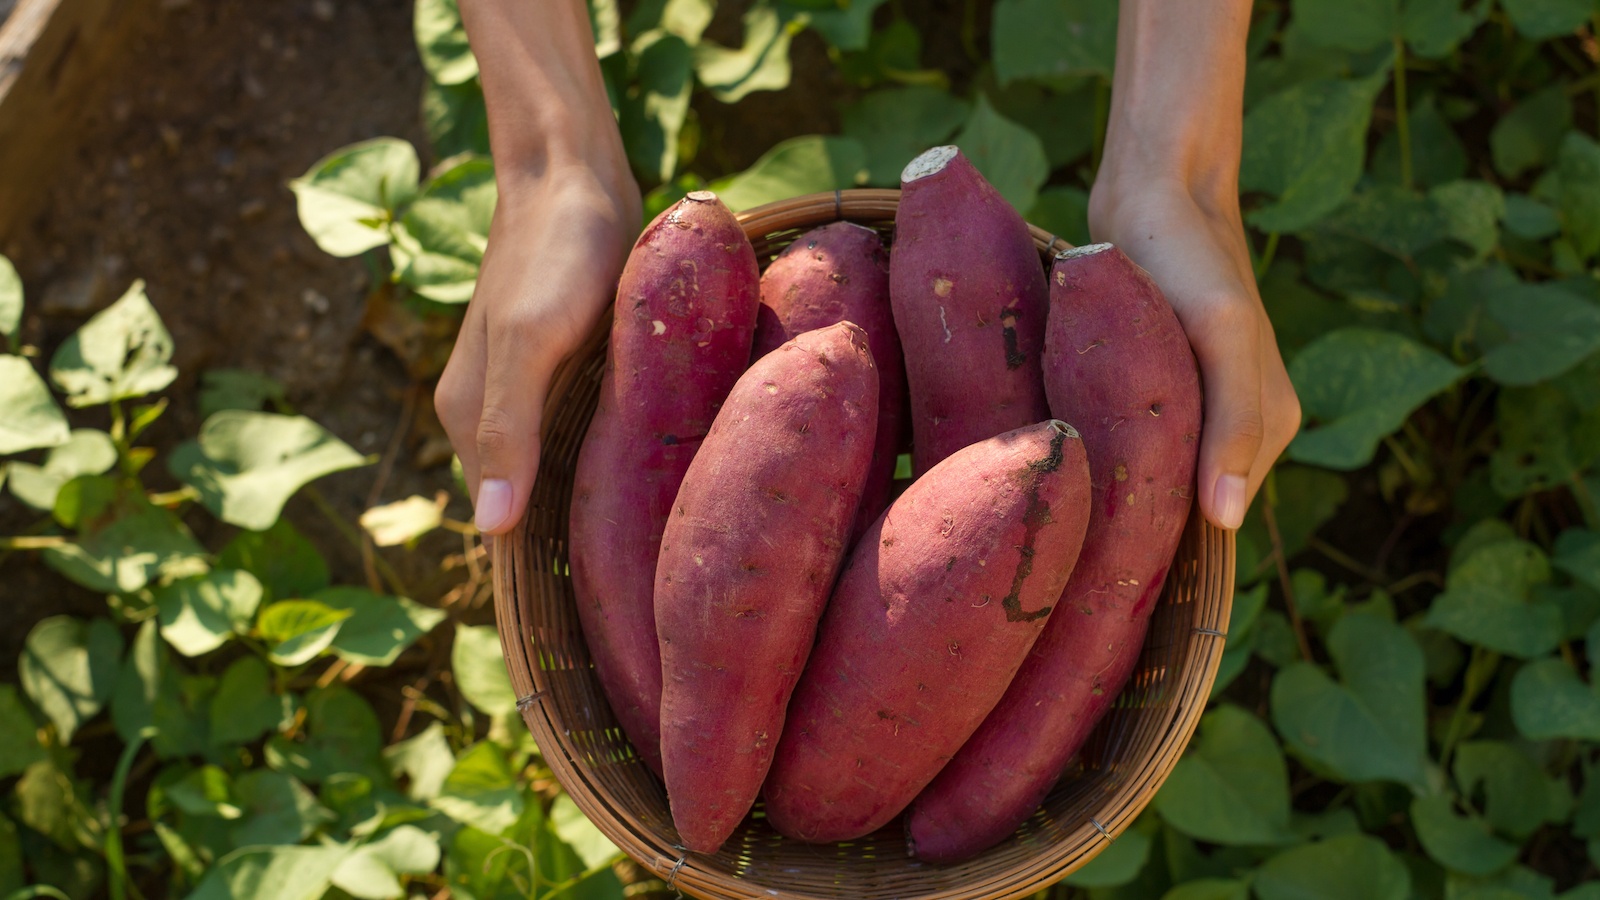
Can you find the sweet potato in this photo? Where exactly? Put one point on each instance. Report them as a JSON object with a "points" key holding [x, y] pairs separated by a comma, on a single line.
{"points": [[680, 338], [969, 298], [1118, 364], [747, 561], [840, 273], [934, 612]]}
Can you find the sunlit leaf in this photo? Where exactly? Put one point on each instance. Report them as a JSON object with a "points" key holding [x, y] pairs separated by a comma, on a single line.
{"points": [[801, 165], [379, 627], [481, 790], [272, 873], [10, 303], [68, 669], [298, 630], [480, 669], [122, 352], [87, 451], [199, 615], [281, 558], [348, 198], [442, 42], [403, 521], [153, 692], [439, 241], [222, 389], [1011, 157], [29, 416], [371, 872], [762, 64], [655, 106], [425, 760], [247, 464]]}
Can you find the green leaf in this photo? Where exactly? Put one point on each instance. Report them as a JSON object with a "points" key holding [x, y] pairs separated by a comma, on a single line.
{"points": [[1210, 889], [29, 416], [577, 832], [1489, 601], [122, 352], [222, 389], [1392, 219], [1063, 119], [1064, 212], [206, 792], [1528, 135], [247, 464], [198, 615], [298, 630], [425, 760], [1305, 146], [348, 198], [1472, 211], [1519, 796], [481, 790], [1354, 26], [657, 103], [801, 165], [606, 22], [1548, 702], [1542, 19], [1053, 39], [1577, 552], [1353, 867], [846, 25], [1434, 28], [1118, 864], [686, 19], [1360, 385], [10, 304], [484, 866], [762, 64], [68, 668], [372, 871], [1528, 218], [47, 800], [478, 662], [86, 452], [456, 118], [1010, 156], [342, 735], [153, 692], [285, 563], [1545, 441], [442, 42], [1460, 843], [277, 809], [272, 873], [1232, 787], [895, 124], [1578, 163], [1551, 330], [1437, 154], [1241, 641], [245, 706], [439, 242], [19, 738], [379, 626], [1369, 726], [142, 543], [403, 521]]}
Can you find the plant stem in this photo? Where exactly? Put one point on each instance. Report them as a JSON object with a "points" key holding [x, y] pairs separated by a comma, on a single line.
{"points": [[173, 498], [32, 542], [1285, 582], [118, 882], [1402, 111], [1267, 253], [390, 576], [1377, 579], [1470, 689]]}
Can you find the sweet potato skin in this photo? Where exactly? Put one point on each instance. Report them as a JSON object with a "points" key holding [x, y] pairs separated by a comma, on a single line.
{"points": [[969, 298], [680, 338], [747, 562], [1118, 363], [840, 273], [935, 610]]}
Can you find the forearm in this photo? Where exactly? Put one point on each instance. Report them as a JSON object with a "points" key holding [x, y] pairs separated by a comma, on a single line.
{"points": [[1177, 100], [543, 89]]}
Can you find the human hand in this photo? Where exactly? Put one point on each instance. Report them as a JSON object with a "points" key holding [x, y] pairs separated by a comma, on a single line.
{"points": [[1195, 249], [556, 247]]}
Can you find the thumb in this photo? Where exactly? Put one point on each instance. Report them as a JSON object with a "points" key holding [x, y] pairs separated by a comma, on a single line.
{"points": [[508, 431], [1231, 435]]}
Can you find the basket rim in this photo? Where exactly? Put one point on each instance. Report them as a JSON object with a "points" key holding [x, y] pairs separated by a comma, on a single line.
{"points": [[685, 872]]}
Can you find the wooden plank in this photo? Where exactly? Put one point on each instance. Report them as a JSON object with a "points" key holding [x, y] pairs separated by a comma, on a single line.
{"points": [[53, 56]]}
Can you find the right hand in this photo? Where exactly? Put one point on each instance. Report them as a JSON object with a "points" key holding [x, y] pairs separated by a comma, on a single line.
{"points": [[557, 245]]}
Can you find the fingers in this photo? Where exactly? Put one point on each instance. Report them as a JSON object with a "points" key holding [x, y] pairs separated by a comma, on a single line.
{"points": [[1227, 344], [506, 437], [459, 395]]}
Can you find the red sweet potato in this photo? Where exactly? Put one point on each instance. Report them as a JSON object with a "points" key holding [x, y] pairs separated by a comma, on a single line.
{"points": [[840, 273], [1117, 363], [969, 299], [747, 561], [934, 612], [680, 338]]}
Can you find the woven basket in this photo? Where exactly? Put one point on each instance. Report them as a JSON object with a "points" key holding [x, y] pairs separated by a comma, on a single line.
{"points": [[1114, 777]]}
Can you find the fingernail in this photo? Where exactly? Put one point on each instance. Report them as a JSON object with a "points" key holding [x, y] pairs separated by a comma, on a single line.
{"points": [[494, 503], [1228, 500]]}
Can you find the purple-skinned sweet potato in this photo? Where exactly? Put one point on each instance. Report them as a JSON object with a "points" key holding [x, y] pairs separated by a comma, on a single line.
{"points": [[1118, 365], [680, 337], [840, 273], [935, 611], [969, 298], [747, 562]]}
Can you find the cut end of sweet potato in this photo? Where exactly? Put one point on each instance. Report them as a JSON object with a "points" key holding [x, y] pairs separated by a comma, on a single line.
{"points": [[1085, 250], [701, 196], [931, 162]]}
